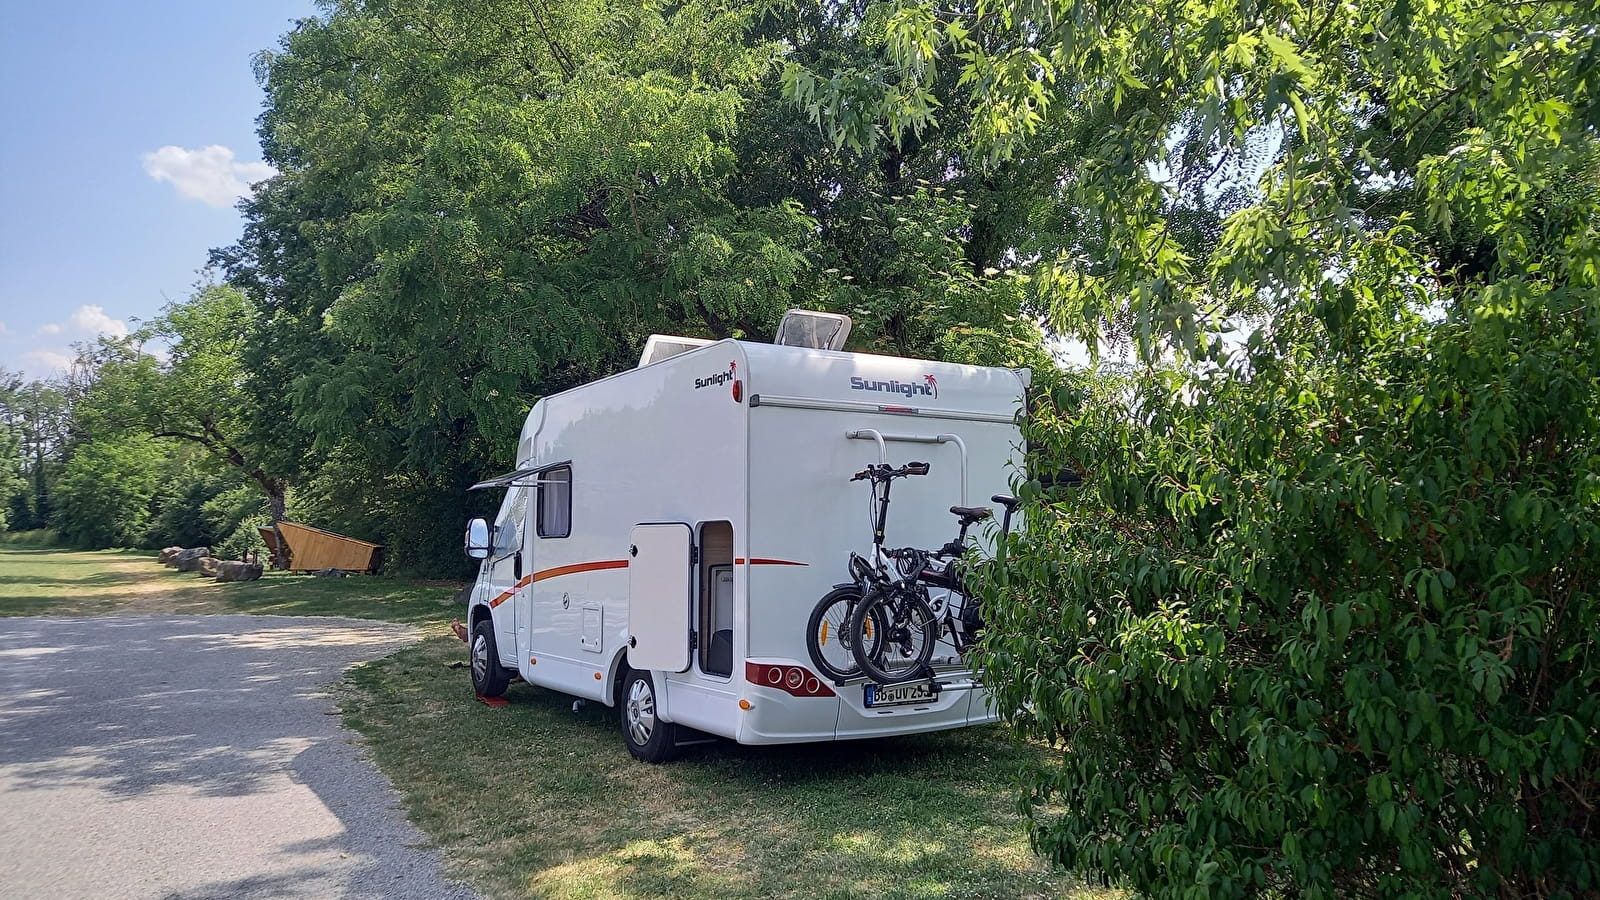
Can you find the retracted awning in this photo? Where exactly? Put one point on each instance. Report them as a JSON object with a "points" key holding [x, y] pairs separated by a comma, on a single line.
{"points": [[508, 479]]}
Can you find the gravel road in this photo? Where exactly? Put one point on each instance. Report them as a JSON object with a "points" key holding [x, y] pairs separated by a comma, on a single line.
{"points": [[195, 756]]}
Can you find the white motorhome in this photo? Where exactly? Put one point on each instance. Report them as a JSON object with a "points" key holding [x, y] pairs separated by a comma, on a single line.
{"points": [[668, 530]]}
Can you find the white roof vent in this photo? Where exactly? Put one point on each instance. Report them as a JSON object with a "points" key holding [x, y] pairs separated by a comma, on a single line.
{"points": [[662, 346], [817, 330]]}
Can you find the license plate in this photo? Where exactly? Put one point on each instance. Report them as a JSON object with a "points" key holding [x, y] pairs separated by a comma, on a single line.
{"points": [[899, 694]]}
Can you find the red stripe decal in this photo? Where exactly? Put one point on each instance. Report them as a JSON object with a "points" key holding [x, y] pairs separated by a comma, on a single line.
{"points": [[760, 561]]}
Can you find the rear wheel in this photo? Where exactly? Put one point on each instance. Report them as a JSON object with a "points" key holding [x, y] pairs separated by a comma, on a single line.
{"points": [[907, 631], [828, 633], [647, 736], [489, 678]]}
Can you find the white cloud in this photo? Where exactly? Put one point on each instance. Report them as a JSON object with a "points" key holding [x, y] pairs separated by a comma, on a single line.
{"points": [[46, 361], [89, 320], [208, 174], [4, 330], [92, 318]]}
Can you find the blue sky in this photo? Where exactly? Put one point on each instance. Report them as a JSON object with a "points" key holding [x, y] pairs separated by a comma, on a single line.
{"points": [[126, 132]]}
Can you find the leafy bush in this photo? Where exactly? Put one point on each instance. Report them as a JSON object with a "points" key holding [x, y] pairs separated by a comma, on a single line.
{"points": [[133, 491], [233, 516], [104, 496], [1328, 629], [22, 512], [34, 538], [187, 483], [13, 487]]}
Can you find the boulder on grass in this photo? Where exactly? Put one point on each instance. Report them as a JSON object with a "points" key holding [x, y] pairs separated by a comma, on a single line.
{"points": [[238, 571], [208, 566], [168, 554], [189, 560]]}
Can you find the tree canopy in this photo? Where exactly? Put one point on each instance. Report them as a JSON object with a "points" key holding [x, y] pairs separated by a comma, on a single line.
{"points": [[482, 204]]}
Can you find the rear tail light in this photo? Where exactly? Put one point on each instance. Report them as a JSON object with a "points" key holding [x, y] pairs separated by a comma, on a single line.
{"points": [[797, 681]]}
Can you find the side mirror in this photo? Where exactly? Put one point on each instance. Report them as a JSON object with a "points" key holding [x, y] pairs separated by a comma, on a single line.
{"points": [[478, 539]]}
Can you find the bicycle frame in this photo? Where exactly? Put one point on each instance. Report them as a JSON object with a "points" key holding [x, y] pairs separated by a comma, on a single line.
{"points": [[910, 576]]}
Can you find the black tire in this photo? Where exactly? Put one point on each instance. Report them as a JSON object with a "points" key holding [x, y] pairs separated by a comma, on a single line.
{"points": [[828, 633], [648, 738], [908, 630], [489, 678]]}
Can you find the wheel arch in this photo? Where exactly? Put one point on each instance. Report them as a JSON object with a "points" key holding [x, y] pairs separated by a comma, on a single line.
{"points": [[616, 672], [478, 613]]}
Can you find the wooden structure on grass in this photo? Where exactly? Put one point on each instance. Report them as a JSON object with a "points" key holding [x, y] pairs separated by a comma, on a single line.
{"points": [[311, 549]]}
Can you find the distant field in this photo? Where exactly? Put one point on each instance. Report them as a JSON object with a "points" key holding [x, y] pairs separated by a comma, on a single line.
{"points": [[54, 582]]}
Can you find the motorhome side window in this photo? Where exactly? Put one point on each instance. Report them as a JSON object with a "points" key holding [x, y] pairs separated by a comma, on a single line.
{"points": [[555, 503], [508, 528]]}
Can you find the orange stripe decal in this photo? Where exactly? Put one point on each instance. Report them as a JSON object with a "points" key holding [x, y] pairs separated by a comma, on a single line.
{"points": [[507, 595], [603, 564]]}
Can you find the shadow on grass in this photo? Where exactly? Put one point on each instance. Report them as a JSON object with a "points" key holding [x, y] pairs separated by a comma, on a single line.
{"points": [[97, 578], [361, 597], [66, 583], [54, 550], [544, 801]]}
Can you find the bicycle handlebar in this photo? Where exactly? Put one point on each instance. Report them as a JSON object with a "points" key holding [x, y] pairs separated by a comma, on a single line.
{"points": [[884, 472]]}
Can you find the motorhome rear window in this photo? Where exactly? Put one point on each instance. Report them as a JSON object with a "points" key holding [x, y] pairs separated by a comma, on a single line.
{"points": [[555, 502]]}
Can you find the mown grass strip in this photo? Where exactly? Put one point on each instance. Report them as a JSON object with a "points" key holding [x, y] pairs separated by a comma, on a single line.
{"points": [[55, 582], [537, 799]]}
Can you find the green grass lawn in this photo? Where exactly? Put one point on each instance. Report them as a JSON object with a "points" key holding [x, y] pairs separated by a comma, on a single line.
{"points": [[57, 582], [535, 799]]}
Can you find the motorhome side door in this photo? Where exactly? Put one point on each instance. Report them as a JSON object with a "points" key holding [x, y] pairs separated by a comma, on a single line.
{"points": [[505, 567], [660, 582]]}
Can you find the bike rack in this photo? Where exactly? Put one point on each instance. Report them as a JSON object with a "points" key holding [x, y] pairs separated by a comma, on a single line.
{"points": [[873, 434]]}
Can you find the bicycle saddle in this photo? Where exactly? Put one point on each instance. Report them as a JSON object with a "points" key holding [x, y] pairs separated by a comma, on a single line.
{"points": [[970, 514]]}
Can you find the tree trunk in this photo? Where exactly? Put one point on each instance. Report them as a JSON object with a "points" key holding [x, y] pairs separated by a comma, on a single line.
{"points": [[276, 490], [41, 511]]}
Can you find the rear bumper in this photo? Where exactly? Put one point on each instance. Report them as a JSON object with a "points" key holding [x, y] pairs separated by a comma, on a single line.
{"points": [[947, 709], [775, 717]]}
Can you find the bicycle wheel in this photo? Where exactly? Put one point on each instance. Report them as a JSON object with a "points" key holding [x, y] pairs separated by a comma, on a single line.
{"points": [[828, 633], [907, 630]]}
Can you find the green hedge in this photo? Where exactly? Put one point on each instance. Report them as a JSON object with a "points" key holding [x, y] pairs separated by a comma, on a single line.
{"points": [[1327, 629]]}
